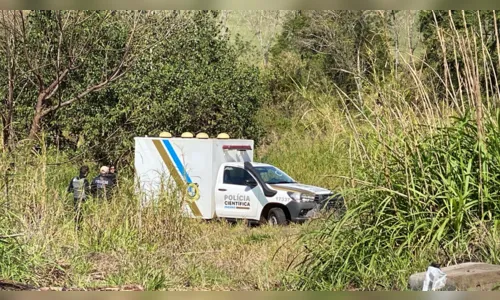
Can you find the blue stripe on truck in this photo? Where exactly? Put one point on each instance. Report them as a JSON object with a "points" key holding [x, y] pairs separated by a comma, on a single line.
{"points": [[176, 160]]}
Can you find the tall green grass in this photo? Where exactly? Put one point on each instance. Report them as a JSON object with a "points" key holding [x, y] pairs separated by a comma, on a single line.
{"points": [[424, 174], [391, 231]]}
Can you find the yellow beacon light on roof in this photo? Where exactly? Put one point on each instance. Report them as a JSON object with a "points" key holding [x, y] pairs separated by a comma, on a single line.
{"points": [[165, 134], [223, 136], [187, 135], [202, 135]]}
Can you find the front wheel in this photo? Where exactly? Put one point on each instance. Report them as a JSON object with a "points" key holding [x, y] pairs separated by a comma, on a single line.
{"points": [[276, 216]]}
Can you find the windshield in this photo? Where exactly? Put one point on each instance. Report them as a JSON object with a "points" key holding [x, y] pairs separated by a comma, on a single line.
{"points": [[273, 175]]}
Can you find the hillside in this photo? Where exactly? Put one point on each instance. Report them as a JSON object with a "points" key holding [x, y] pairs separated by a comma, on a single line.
{"points": [[395, 110]]}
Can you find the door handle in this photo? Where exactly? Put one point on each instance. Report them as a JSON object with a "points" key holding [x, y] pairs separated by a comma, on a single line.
{"points": [[223, 190]]}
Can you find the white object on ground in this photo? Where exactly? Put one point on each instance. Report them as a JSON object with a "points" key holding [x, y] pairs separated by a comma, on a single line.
{"points": [[434, 277]]}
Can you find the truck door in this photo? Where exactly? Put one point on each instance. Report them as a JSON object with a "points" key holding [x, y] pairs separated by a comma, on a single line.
{"points": [[236, 194]]}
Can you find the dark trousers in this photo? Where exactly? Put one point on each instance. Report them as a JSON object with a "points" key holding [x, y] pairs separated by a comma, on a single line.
{"points": [[77, 204]]}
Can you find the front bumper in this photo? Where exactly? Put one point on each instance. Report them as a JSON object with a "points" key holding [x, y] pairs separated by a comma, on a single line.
{"points": [[330, 202], [300, 211], [303, 211]]}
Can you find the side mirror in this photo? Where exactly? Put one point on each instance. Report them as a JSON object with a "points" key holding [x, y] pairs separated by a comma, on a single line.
{"points": [[250, 182]]}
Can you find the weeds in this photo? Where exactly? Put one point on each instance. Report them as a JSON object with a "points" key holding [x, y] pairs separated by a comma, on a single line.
{"points": [[120, 242], [419, 176], [423, 181]]}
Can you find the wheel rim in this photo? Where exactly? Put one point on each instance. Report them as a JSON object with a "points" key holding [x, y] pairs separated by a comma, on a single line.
{"points": [[273, 220]]}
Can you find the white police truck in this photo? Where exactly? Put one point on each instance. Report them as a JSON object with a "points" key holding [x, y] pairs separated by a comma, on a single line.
{"points": [[217, 178]]}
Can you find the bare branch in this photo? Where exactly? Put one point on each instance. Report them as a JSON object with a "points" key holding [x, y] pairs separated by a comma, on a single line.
{"points": [[54, 86], [89, 90], [27, 56]]}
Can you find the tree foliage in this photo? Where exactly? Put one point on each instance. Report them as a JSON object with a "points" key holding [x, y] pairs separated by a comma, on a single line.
{"points": [[59, 58], [92, 80], [335, 46], [191, 81]]}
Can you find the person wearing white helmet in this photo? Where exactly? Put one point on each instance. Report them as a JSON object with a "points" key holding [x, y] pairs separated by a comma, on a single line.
{"points": [[102, 184]]}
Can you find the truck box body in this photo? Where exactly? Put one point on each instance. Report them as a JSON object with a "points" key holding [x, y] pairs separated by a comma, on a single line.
{"points": [[191, 164]]}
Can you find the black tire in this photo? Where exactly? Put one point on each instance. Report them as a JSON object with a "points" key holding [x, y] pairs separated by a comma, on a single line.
{"points": [[276, 216]]}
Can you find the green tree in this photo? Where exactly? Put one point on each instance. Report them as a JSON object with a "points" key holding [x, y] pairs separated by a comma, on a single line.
{"points": [[60, 58], [192, 81], [336, 46]]}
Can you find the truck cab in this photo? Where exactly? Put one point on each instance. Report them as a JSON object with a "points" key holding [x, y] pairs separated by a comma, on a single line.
{"points": [[263, 192]]}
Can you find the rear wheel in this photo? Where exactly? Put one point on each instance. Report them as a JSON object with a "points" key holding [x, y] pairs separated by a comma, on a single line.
{"points": [[276, 216]]}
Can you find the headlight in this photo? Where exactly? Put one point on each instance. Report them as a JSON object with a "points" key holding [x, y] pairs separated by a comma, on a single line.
{"points": [[306, 198], [295, 196], [301, 197]]}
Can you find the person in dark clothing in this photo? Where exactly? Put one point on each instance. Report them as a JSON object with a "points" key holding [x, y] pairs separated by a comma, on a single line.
{"points": [[102, 185], [112, 174], [79, 186]]}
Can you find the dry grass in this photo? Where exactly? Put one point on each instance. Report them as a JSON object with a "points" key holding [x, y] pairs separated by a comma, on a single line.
{"points": [[376, 151], [120, 243]]}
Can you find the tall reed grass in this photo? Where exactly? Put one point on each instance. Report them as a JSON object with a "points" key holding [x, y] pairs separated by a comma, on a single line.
{"points": [[423, 173]]}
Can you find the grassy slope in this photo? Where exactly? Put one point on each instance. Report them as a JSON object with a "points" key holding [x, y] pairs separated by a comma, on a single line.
{"points": [[121, 245]]}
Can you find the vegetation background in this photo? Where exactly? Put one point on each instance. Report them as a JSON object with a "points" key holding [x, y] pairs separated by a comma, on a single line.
{"points": [[397, 110]]}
